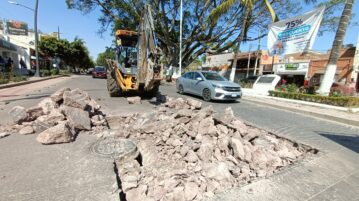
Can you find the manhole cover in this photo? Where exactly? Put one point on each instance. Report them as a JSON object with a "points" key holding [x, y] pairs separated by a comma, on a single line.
{"points": [[115, 148]]}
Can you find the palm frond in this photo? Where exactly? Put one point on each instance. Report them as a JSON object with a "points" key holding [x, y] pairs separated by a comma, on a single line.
{"points": [[271, 11], [220, 10]]}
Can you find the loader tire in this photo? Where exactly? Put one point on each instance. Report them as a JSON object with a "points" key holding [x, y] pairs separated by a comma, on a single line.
{"points": [[153, 92], [112, 86]]}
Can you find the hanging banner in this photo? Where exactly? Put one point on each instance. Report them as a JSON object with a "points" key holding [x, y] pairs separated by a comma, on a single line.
{"points": [[296, 34]]}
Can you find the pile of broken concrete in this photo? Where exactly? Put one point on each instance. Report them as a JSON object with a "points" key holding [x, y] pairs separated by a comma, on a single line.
{"points": [[59, 118], [189, 153]]}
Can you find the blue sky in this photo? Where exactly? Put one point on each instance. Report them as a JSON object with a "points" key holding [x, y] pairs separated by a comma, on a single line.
{"points": [[72, 23]]}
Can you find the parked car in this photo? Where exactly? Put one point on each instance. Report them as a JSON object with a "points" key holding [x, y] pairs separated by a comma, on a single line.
{"points": [[99, 72], [209, 85]]}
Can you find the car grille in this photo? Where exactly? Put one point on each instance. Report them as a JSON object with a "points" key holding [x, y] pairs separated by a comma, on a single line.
{"points": [[232, 88]]}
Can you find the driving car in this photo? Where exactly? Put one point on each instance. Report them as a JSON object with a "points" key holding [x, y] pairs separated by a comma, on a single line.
{"points": [[209, 85], [99, 72]]}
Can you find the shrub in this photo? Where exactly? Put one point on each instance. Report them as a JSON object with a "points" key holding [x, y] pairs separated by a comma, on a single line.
{"points": [[64, 72], [44, 73], [344, 101], [55, 71]]}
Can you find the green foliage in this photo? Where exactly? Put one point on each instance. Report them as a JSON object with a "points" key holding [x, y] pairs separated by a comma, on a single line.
{"points": [[200, 35], [109, 53], [64, 72], [344, 101], [73, 53], [44, 73], [6, 78], [54, 71]]}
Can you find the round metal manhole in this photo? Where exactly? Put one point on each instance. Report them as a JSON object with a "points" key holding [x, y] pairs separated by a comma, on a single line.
{"points": [[114, 148]]}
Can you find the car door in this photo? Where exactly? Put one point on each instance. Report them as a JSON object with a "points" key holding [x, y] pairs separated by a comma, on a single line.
{"points": [[187, 78], [196, 84]]}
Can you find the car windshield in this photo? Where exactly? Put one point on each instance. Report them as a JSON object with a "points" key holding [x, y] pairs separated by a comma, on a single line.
{"points": [[100, 69], [213, 76]]}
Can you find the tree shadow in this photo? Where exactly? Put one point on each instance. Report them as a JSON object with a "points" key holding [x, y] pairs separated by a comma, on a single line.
{"points": [[349, 141]]}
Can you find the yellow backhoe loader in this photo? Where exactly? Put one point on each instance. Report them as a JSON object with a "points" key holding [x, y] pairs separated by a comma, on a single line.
{"points": [[137, 67]]}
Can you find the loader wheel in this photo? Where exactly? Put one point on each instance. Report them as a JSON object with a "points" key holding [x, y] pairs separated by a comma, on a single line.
{"points": [[153, 92], [112, 86]]}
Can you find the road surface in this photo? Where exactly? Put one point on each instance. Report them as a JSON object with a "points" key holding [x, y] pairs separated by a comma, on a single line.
{"points": [[30, 171]]}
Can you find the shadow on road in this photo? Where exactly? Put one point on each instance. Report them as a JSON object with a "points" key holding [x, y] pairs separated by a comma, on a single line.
{"points": [[349, 141]]}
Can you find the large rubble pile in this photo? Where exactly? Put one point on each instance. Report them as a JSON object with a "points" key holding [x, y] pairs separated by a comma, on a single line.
{"points": [[188, 153], [59, 118]]}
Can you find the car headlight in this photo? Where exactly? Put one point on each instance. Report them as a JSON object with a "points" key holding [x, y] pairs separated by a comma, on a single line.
{"points": [[217, 86]]}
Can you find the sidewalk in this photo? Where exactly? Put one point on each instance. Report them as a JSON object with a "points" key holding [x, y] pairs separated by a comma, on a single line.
{"points": [[29, 81], [334, 113]]}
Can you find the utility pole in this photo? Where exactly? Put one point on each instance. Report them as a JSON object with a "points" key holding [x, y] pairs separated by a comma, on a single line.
{"points": [[180, 46], [249, 60], [256, 64], [58, 32], [37, 74]]}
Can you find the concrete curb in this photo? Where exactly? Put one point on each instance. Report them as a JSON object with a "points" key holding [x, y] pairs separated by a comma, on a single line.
{"points": [[311, 113], [29, 82]]}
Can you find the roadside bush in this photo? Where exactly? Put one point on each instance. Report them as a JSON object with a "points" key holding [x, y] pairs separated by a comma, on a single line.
{"points": [[344, 101], [18, 78], [54, 71], [65, 72], [45, 73]]}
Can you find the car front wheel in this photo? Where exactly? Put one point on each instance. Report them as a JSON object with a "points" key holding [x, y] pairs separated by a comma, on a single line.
{"points": [[206, 94], [180, 89]]}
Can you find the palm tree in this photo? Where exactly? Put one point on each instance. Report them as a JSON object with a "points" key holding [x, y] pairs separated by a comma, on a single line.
{"points": [[248, 6], [331, 69]]}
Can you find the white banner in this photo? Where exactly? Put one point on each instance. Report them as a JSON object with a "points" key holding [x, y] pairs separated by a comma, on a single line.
{"points": [[296, 34]]}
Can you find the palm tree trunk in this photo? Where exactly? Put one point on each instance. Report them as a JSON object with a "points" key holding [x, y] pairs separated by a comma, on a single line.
{"points": [[241, 38], [331, 69]]}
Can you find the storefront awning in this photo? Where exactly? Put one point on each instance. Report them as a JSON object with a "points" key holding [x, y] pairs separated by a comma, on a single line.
{"points": [[7, 45]]}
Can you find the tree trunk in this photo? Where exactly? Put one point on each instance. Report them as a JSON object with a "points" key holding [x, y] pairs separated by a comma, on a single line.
{"points": [[331, 69], [241, 37]]}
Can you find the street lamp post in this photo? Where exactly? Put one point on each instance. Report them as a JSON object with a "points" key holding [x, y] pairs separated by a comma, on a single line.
{"points": [[180, 46], [37, 73]]}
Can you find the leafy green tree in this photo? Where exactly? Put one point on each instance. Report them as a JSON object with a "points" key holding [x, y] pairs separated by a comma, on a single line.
{"points": [[74, 53], [200, 35], [109, 53]]}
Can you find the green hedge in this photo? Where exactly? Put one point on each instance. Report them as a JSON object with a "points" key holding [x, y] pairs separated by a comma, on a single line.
{"points": [[344, 101]]}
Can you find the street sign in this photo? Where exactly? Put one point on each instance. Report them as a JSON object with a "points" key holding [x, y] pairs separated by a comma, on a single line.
{"points": [[296, 34]]}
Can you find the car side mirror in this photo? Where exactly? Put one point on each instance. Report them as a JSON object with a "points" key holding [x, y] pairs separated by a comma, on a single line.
{"points": [[199, 79]]}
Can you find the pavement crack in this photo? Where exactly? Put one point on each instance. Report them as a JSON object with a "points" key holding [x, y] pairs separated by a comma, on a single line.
{"points": [[122, 195]]}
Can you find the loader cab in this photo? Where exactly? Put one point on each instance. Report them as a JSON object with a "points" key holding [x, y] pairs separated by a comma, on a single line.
{"points": [[127, 51]]}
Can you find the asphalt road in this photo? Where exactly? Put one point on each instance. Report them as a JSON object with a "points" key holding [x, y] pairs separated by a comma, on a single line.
{"points": [[338, 145]]}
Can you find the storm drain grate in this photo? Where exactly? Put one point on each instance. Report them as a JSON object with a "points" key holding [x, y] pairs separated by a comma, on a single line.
{"points": [[114, 148]]}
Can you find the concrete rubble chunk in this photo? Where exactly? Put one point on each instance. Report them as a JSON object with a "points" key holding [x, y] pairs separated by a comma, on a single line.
{"points": [[238, 148], [60, 133], [218, 171], [4, 134], [137, 194], [26, 130], [34, 113], [18, 114], [57, 97], [47, 105], [134, 100], [77, 118], [190, 191], [194, 103], [191, 157], [98, 120], [76, 98]]}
